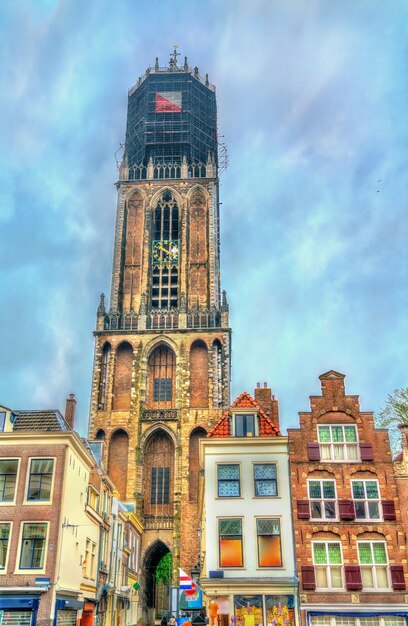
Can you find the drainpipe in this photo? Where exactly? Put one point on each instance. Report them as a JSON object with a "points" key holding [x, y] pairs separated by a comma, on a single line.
{"points": [[116, 567], [295, 574], [110, 563]]}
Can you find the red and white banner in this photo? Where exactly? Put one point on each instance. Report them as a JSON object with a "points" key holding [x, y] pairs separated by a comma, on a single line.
{"points": [[168, 102]]}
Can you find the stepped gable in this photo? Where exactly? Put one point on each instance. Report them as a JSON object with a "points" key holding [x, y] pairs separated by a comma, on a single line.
{"points": [[244, 401], [39, 420]]}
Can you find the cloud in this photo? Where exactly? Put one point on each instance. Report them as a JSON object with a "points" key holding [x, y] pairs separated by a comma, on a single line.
{"points": [[311, 100]]}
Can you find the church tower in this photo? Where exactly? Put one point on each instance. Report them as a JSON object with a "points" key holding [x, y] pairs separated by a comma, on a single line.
{"points": [[161, 372]]}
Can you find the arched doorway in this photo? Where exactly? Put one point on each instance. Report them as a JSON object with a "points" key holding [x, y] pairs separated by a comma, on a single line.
{"points": [[156, 592]]}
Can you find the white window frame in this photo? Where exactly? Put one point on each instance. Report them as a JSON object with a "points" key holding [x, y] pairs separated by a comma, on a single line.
{"points": [[330, 444], [328, 566], [48, 502], [3, 570], [367, 500], [13, 501], [31, 570], [373, 567], [322, 500], [239, 481], [243, 412]]}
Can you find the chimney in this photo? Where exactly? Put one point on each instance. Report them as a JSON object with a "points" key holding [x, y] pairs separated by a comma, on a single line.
{"points": [[70, 407], [267, 402]]}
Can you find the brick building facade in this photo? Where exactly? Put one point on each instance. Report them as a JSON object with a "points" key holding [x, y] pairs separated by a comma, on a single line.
{"points": [[162, 351], [350, 543]]}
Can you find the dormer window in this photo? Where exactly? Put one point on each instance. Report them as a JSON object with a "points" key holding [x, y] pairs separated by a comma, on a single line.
{"points": [[244, 425]]}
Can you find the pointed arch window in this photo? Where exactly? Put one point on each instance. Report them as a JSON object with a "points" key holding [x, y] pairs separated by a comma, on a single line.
{"points": [[165, 253], [161, 383]]}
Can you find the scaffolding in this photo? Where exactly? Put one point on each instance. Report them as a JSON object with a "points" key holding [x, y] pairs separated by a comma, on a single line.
{"points": [[166, 139]]}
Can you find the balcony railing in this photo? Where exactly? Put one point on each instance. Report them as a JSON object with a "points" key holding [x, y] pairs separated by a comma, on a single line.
{"points": [[167, 319], [159, 522], [154, 415]]}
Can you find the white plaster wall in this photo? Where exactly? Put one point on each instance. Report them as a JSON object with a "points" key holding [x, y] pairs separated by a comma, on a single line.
{"points": [[246, 452]]}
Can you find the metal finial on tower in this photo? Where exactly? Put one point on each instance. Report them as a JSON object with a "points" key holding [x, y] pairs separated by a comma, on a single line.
{"points": [[173, 56], [156, 65], [185, 64]]}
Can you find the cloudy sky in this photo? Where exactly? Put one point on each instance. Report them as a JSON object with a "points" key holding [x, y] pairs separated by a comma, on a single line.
{"points": [[312, 99]]}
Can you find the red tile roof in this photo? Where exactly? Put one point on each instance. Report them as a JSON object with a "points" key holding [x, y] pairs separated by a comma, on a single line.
{"points": [[266, 426]]}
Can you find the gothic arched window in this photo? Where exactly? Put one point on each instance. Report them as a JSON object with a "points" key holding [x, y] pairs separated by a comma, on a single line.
{"points": [[193, 462], [165, 253], [158, 478], [198, 375], [122, 382], [161, 378], [118, 460], [103, 381]]}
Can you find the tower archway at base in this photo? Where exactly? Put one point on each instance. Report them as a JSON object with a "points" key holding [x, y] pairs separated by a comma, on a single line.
{"points": [[156, 594]]}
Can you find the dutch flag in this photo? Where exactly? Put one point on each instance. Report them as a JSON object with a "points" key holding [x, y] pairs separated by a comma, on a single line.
{"points": [[185, 580]]}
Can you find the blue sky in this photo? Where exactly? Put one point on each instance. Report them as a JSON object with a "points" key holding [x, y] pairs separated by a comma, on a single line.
{"points": [[312, 99]]}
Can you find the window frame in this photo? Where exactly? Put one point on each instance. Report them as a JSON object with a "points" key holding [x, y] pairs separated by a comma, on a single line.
{"points": [[373, 566], [232, 480], [28, 480], [330, 444], [20, 569], [329, 565], [13, 501], [367, 500], [231, 517], [323, 500], [3, 570], [246, 414], [269, 517], [163, 387], [154, 485], [3, 418], [255, 480]]}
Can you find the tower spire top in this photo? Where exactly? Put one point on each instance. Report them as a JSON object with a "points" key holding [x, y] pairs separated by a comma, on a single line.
{"points": [[173, 56]]}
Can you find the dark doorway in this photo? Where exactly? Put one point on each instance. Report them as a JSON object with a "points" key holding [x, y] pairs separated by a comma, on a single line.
{"points": [[156, 594]]}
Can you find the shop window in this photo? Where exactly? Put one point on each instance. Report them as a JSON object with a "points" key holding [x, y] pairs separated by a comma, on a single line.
{"points": [[282, 607], [248, 610], [269, 542], [4, 542], [374, 564], [327, 558], [338, 442], [40, 480], [265, 479], [228, 481], [366, 497], [322, 496], [33, 545], [230, 542], [2, 420], [8, 478]]}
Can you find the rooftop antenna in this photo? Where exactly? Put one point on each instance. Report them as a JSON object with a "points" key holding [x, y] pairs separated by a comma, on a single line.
{"points": [[174, 55]]}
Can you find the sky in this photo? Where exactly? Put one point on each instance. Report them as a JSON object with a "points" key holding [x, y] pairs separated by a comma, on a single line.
{"points": [[312, 103]]}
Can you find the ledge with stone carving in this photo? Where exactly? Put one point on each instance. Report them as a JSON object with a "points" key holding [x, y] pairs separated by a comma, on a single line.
{"points": [[159, 415]]}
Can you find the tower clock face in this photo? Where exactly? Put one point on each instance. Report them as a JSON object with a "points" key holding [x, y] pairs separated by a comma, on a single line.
{"points": [[165, 253]]}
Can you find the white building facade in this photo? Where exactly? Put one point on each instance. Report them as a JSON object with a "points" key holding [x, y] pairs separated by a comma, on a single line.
{"points": [[248, 568]]}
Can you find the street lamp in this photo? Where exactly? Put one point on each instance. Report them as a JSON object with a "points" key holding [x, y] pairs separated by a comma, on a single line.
{"points": [[195, 573]]}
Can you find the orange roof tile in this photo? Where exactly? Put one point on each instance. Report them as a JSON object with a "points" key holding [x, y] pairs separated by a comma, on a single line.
{"points": [[266, 426]]}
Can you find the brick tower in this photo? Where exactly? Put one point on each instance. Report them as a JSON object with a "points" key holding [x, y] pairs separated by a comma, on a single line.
{"points": [[161, 372]]}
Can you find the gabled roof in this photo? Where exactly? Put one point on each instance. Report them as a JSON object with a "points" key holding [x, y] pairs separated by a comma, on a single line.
{"points": [[46, 420], [244, 401], [331, 374]]}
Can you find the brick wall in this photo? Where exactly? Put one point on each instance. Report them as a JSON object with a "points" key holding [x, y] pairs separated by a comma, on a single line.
{"points": [[335, 407], [118, 460], [46, 512], [122, 377], [198, 375]]}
